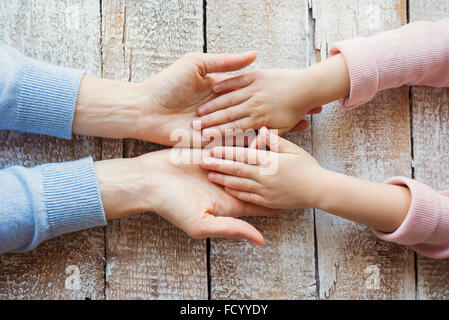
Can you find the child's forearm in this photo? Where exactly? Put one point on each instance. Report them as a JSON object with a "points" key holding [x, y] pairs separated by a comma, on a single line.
{"points": [[382, 207], [327, 81]]}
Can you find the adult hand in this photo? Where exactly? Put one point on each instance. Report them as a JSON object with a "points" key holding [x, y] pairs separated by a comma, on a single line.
{"points": [[154, 110], [180, 193]]}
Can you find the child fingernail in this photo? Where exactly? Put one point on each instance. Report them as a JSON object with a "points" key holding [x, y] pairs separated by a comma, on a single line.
{"points": [[196, 124], [212, 176], [207, 161], [202, 109], [207, 132], [216, 87]]}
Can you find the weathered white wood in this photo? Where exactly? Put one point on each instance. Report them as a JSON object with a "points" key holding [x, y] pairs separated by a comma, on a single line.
{"points": [[372, 142], [431, 151], [284, 268], [65, 33], [147, 257]]}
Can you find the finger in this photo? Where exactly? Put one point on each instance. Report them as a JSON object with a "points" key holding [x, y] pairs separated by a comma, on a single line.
{"points": [[232, 228], [233, 83], [226, 62], [302, 125], [227, 100], [316, 110], [222, 116], [240, 154], [247, 196], [276, 143], [236, 183], [231, 128], [233, 168], [259, 143], [218, 77], [253, 210]]}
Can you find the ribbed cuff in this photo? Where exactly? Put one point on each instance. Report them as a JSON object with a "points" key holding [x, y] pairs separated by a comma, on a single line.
{"points": [[426, 227], [47, 99], [363, 70], [72, 197]]}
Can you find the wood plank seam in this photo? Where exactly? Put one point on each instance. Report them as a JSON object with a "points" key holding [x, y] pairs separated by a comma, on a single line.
{"points": [[313, 54], [412, 168]]}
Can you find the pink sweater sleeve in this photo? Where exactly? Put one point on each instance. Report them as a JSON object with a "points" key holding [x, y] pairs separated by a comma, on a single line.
{"points": [[416, 54], [426, 227]]}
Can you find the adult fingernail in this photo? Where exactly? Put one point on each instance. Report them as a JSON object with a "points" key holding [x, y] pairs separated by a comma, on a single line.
{"points": [[212, 176], [196, 124]]}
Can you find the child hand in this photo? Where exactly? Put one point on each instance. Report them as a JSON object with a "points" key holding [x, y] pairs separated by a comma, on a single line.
{"points": [[278, 99], [287, 178]]}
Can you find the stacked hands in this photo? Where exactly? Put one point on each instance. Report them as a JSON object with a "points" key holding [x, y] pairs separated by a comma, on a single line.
{"points": [[190, 107]]}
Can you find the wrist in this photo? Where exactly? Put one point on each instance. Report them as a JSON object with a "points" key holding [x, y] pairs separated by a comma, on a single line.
{"points": [[327, 81], [123, 187], [380, 206], [108, 108], [324, 182]]}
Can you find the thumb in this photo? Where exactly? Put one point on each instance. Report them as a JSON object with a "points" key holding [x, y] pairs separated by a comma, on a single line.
{"points": [[226, 62], [302, 125], [232, 228], [276, 143]]}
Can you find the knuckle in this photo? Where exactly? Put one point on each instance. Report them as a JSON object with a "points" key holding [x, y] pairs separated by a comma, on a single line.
{"points": [[255, 102], [238, 170], [243, 80], [232, 100], [235, 125], [229, 114], [269, 196], [253, 198], [242, 184]]}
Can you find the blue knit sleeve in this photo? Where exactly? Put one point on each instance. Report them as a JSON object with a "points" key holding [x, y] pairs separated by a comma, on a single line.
{"points": [[36, 97], [42, 202], [46, 201]]}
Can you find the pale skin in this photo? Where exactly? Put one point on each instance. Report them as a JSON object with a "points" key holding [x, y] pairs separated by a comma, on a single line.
{"points": [[180, 193], [276, 99], [150, 111], [153, 110], [183, 194], [300, 182]]}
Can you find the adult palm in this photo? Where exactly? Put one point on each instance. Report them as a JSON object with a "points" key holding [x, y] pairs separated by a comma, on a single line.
{"points": [[180, 192], [176, 93]]}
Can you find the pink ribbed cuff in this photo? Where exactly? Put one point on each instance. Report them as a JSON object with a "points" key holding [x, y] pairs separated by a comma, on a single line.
{"points": [[426, 227], [363, 70], [416, 54]]}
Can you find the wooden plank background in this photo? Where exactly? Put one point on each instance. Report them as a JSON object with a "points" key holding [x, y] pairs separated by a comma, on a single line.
{"points": [[308, 254]]}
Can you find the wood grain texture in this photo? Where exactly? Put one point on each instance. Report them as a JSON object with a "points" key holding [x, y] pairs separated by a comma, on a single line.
{"points": [[147, 257], [431, 151], [68, 34], [372, 142], [284, 268]]}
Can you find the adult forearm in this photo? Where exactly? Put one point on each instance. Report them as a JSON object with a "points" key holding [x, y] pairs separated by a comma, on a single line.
{"points": [[382, 207], [122, 187], [108, 108]]}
